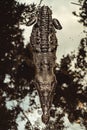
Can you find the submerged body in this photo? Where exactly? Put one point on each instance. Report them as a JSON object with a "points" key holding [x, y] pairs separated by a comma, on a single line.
{"points": [[43, 43]]}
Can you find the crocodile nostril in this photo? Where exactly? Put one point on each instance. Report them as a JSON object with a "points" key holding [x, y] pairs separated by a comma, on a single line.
{"points": [[45, 118]]}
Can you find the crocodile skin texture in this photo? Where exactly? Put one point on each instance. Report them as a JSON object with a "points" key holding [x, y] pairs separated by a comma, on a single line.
{"points": [[43, 43]]}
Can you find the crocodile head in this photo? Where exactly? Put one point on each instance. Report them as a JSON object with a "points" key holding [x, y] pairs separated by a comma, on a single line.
{"points": [[46, 92]]}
